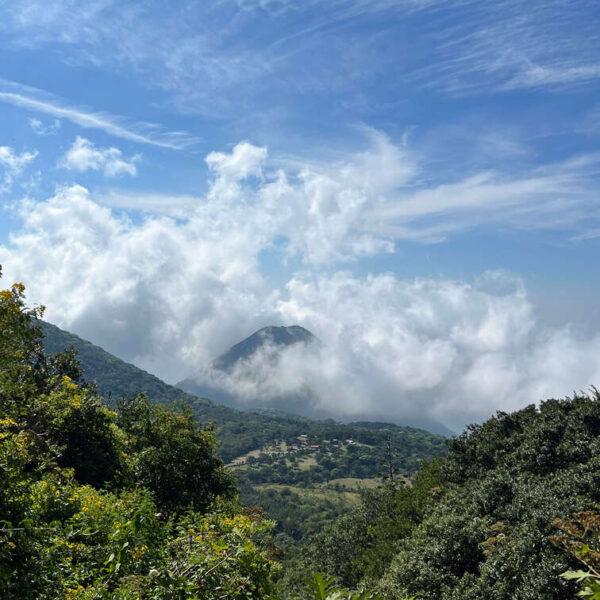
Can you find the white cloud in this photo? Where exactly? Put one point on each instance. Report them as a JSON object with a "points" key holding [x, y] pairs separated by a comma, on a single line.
{"points": [[180, 288], [412, 344], [500, 46], [145, 133], [41, 128], [13, 164], [172, 294], [417, 351], [245, 160], [84, 156], [176, 206]]}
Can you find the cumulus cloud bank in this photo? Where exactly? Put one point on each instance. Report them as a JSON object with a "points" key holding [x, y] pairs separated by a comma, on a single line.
{"points": [[170, 295]]}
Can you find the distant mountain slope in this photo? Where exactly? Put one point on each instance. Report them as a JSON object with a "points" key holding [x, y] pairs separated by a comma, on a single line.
{"points": [[240, 432], [242, 367], [276, 336], [113, 376], [252, 374]]}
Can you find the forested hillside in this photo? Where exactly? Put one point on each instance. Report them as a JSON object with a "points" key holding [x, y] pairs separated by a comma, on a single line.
{"points": [[481, 523], [114, 378], [102, 504], [317, 453]]}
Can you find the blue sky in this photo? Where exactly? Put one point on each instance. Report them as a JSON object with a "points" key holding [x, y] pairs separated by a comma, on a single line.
{"points": [[174, 175]]}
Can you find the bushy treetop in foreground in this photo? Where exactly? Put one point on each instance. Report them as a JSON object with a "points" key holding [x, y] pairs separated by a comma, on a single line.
{"points": [[99, 504], [482, 528]]}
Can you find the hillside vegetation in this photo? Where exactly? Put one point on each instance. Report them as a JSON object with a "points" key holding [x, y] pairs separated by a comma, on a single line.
{"points": [[102, 504], [251, 442], [480, 524]]}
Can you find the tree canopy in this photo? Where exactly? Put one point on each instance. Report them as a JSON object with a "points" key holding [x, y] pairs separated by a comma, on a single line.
{"points": [[102, 504]]}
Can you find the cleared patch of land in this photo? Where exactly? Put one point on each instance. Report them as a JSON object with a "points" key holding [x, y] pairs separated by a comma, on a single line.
{"points": [[324, 493], [306, 463], [354, 483], [242, 460]]}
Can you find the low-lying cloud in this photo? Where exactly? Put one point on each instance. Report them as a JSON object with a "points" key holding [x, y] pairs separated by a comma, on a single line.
{"points": [[442, 350], [172, 294]]}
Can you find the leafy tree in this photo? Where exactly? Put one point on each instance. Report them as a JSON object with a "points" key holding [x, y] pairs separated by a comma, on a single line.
{"points": [[487, 534], [79, 487], [171, 456]]}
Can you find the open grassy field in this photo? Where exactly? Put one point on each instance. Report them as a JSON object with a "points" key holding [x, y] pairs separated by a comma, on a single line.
{"points": [[307, 462], [353, 483], [348, 498]]}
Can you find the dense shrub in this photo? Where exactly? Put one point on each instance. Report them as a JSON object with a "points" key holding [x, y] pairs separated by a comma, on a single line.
{"points": [[96, 504]]}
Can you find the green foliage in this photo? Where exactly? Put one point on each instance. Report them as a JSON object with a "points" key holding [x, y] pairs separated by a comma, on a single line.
{"points": [[79, 543], [487, 535], [168, 454], [299, 513], [83, 490], [591, 583], [581, 537], [319, 587], [360, 545], [81, 430]]}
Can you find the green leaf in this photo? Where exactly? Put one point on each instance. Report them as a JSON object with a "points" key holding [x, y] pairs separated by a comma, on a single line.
{"points": [[578, 575]]}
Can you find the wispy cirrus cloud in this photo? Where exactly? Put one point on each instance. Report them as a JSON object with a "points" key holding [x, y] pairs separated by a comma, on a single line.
{"points": [[237, 50], [144, 133], [591, 234], [345, 8], [502, 47]]}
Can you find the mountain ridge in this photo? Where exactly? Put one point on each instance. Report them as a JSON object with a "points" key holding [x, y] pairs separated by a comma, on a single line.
{"points": [[239, 431], [264, 346], [280, 336]]}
